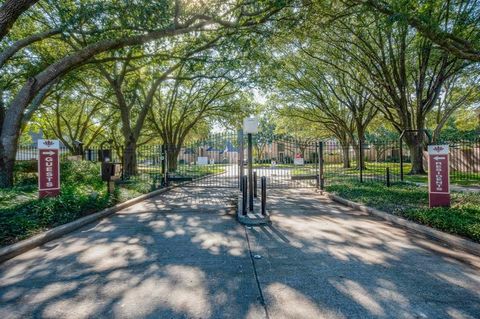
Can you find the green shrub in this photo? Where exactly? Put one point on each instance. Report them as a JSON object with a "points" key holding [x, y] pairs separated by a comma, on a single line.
{"points": [[410, 201], [22, 214], [76, 172], [80, 172], [25, 173], [83, 192], [25, 219]]}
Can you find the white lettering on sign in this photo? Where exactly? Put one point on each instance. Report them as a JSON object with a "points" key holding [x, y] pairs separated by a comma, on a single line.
{"points": [[48, 168], [438, 165], [438, 176]]}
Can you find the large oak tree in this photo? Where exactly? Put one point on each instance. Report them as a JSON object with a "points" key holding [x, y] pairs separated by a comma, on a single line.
{"points": [[86, 39]]}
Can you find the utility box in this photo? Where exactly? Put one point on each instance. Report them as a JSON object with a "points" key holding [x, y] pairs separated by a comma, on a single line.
{"points": [[104, 155], [110, 171]]}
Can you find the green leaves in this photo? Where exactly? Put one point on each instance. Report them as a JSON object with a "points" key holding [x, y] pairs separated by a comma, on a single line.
{"points": [[409, 201]]}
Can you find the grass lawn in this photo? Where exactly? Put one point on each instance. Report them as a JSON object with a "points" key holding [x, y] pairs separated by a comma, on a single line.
{"points": [[185, 170], [268, 165], [411, 202], [378, 170], [374, 171], [456, 178], [200, 170]]}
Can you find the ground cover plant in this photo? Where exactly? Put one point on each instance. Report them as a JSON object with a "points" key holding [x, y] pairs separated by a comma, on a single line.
{"points": [[22, 214], [411, 202]]}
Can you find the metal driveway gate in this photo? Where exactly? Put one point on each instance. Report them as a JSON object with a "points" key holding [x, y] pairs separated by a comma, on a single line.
{"points": [[221, 159], [208, 162], [286, 162]]}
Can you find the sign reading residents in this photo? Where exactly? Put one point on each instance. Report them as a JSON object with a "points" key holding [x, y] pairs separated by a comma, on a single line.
{"points": [[438, 176], [48, 168]]}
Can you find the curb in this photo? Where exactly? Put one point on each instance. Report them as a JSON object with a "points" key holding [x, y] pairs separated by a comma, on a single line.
{"points": [[451, 240], [16, 249]]}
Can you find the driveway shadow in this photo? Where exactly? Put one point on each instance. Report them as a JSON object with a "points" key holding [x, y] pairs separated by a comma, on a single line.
{"points": [[324, 260], [179, 255]]}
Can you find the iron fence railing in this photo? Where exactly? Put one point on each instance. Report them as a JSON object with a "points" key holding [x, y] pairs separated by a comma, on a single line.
{"points": [[286, 162], [364, 162], [388, 162], [212, 161]]}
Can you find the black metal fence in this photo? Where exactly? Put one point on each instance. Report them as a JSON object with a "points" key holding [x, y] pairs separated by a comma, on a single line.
{"points": [[209, 162], [364, 162], [465, 161], [382, 161], [286, 162]]}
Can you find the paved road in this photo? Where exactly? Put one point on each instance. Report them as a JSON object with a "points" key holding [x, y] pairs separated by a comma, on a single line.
{"points": [[277, 177], [183, 255], [324, 260]]}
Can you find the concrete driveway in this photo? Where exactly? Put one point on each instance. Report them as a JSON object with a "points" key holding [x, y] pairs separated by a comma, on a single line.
{"points": [[320, 259], [183, 255]]}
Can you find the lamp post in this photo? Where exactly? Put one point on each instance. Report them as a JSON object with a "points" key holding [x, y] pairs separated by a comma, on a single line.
{"points": [[250, 172], [250, 126]]}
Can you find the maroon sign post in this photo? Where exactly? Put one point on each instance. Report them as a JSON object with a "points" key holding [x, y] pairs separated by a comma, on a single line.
{"points": [[438, 176], [48, 168]]}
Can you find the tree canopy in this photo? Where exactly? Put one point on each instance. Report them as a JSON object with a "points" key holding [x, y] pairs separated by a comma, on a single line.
{"points": [[139, 72]]}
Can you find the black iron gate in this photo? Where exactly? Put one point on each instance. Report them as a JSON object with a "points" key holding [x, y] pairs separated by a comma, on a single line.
{"points": [[221, 159], [286, 162], [208, 162]]}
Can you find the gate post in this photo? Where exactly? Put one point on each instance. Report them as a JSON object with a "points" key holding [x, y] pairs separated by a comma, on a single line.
{"points": [[255, 186], [165, 164], [250, 171], [263, 184], [162, 158], [320, 164], [244, 195], [360, 158], [240, 158], [401, 155]]}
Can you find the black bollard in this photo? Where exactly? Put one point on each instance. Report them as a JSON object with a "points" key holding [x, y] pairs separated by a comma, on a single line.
{"points": [[263, 185], [255, 185], [388, 176], [244, 195], [250, 172]]}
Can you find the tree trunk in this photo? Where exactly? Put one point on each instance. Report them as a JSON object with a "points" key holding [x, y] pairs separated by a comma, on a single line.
{"points": [[7, 163], [10, 11], [416, 155], [415, 144], [346, 156], [359, 160], [77, 150], [130, 159], [8, 150], [172, 157], [360, 150]]}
